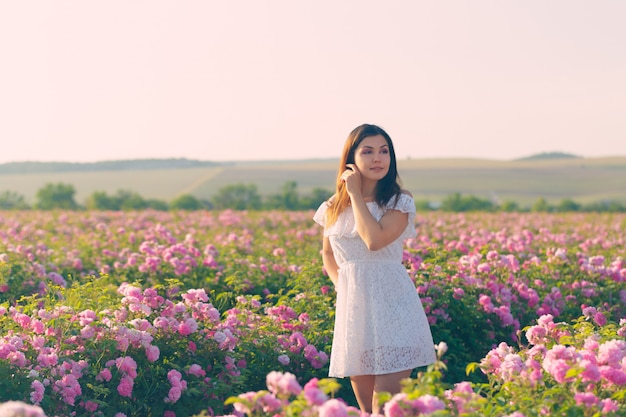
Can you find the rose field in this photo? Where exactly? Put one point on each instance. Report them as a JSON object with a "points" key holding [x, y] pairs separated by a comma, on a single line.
{"points": [[182, 314]]}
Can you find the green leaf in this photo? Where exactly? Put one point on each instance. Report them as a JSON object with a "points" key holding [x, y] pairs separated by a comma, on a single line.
{"points": [[471, 368]]}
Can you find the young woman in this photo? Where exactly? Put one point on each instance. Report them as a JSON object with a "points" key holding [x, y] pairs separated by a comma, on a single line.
{"points": [[381, 332]]}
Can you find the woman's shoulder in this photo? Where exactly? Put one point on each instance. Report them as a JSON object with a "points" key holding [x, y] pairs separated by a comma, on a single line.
{"points": [[402, 201], [403, 195]]}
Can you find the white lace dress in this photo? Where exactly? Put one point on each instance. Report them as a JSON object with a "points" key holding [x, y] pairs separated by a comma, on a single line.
{"points": [[380, 324]]}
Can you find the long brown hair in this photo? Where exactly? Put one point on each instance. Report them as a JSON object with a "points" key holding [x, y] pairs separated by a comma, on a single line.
{"points": [[386, 188]]}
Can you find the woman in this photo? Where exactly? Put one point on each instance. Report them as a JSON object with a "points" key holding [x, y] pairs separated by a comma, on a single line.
{"points": [[381, 332]]}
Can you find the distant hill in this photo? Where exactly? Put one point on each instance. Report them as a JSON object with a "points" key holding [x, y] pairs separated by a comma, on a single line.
{"points": [[549, 155], [581, 179], [118, 165]]}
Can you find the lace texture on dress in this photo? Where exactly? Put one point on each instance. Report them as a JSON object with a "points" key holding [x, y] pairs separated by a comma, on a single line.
{"points": [[345, 226]]}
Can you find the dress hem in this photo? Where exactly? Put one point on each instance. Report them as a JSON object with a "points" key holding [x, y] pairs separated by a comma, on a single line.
{"points": [[383, 373]]}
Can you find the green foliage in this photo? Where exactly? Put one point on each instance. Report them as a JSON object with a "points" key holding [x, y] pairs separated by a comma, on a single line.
{"points": [[186, 202], [460, 203], [313, 200], [237, 197], [294, 405], [56, 196], [510, 206], [62, 309], [16, 279], [468, 330], [568, 204], [288, 199], [304, 295], [131, 200], [548, 394], [158, 205], [541, 205], [423, 205], [100, 200], [13, 383], [10, 200], [518, 383], [122, 200], [607, 206], [246, 197], [258, 346]]}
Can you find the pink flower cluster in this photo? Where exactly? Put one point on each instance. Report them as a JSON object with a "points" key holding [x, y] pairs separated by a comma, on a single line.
{"points": [[516, 267], [150, 243], [178, 386], [283, 384], [20, 409], [296, 343], [128, 371], [496, 261], [32, 343], [401, 406], [592, 370], [283, 388], [463, 399]]}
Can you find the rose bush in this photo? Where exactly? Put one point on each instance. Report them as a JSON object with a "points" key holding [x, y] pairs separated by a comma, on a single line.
{"points": [[568, 369], [155, 312]]}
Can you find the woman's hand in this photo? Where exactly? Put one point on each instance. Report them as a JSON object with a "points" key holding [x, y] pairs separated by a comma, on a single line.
{"points": [[352, 178]]}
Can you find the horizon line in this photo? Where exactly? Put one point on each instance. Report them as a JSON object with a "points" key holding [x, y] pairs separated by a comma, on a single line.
{"points": [[557, 155]]}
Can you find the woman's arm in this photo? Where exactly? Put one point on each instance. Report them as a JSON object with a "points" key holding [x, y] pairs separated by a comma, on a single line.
{"points": [[377, 234], [328, 259]]}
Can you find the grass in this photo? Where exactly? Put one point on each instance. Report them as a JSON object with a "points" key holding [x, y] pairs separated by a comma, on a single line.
{"points": [[163, 184], [583, 180]]}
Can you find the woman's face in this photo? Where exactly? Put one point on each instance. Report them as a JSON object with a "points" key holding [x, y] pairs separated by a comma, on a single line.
{"points": [[372, 157]]}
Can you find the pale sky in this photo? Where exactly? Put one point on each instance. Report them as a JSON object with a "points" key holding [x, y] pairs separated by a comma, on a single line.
{"points": [[86, 80]]}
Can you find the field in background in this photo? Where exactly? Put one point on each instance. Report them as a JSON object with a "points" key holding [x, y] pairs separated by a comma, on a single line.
{"points": [[584, 180]]}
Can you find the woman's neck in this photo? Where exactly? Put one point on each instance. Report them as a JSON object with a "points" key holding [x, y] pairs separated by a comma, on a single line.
{"points": [[368, 191]]}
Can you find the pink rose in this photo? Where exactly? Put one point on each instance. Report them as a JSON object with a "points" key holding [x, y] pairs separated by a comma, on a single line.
{"points": [[427, 404], [105, 375], [333, 408], [152, 353], [196, 370], [173, 395], [125, 388], [314, 395]]}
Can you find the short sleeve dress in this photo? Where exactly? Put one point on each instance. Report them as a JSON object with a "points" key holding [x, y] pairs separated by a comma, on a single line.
{"points": [[380, 324]]}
